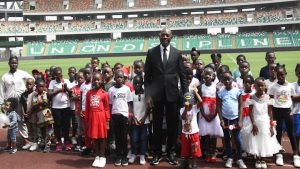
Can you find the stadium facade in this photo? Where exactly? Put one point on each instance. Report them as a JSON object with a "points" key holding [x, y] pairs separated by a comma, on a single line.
{"points": [[78, 28]]}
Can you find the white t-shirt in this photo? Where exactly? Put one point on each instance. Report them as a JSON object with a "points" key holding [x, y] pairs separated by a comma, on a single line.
{"points": [[195, 82], [296, 105], [13, 85], [268, 83], [119, 98], [139, 107], [61, 100], [85, 87], [72, 104], [282, 95], [239, 82], [192, 118]]}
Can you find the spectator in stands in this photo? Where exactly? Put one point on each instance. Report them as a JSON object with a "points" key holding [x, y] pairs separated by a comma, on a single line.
{"points": [[163, 68], [12, 85], [264, 71]]}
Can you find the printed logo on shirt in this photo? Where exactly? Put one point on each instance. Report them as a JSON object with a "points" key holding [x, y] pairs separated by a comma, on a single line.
{"points": [[283, 97], [95, 100], [121, 95]]}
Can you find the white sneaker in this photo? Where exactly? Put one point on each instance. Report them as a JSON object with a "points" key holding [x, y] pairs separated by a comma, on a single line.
{"points": [[258, 164], [296, 160], [279, 159], [129, 154], [132, 158], [228, 163], [73, 140], [142, 160], [13, 151], [96, 162], [33, 147], [102, 162], [27, 146], [241, 163], [264, 165]]}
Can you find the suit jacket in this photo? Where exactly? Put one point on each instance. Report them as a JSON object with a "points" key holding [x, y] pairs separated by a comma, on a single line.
{"points": [[162, 82]]}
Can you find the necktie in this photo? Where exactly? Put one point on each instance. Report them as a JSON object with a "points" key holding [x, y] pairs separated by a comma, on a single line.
{"points": [[165, 57]]}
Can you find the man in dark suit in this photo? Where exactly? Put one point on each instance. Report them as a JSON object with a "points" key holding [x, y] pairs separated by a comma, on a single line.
{"points": [[163, 69]]}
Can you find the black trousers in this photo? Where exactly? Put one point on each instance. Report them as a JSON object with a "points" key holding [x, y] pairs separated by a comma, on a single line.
{"points": [[280, 115], [121, 127], [171, 111], [62, 119]]}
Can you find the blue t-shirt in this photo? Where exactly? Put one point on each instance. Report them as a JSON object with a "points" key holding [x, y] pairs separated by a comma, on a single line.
{"points": [[230, 103]]}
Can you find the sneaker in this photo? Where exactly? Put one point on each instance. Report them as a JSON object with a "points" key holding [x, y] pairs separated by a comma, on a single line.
{"points": [[142, 160], [27, 146], [58, 147], [102, 162], [132, 158], [47, 148], [279, 160], [13, 151], [34, 147], [124, 161], [241, 163], [296, 160], [96, 162], [68, 146], [228, 163], [155, 160], [7, 149], [118, 162], [78, 148], [172, 160], [194, 167], [264, 165], [129, 154], [86, 151], [258, 164], [73, 140]]}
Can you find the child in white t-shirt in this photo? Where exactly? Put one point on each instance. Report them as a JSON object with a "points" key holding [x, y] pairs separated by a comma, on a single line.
{"points": [[120, 100], [283, 94], [296, 105], [140, 122], [190, 142], [59, 92]]}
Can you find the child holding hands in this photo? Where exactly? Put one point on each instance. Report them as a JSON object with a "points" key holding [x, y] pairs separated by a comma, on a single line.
{"points": [[97, 115], [190, 142], [262, 142]]}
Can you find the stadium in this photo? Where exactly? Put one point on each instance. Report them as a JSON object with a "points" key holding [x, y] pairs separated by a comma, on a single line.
{"points": [[47, 29], [68, 33]]}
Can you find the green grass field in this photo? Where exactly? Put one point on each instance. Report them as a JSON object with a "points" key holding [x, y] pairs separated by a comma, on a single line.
{"points": [[256, 59]]}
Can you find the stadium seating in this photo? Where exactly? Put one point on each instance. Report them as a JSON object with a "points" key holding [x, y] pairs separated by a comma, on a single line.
{"points": [[129, 45], [77, 5], [253, 40], [201, 42], [224, 41], [286, 38], [81, 5], [146, 23], [185, 43]]}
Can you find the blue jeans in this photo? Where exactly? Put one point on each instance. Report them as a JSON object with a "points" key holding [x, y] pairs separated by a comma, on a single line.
{"points": [[235, 133], [139, 139]]}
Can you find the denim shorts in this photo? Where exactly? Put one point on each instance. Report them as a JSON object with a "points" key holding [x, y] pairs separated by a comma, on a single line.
{"points": [[12, 134]]}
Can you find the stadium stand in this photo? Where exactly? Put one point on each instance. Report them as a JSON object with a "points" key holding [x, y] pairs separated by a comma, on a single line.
{"points": [[253, 40], [80, 5], [141, 23], [224, 41], [185, 43]]}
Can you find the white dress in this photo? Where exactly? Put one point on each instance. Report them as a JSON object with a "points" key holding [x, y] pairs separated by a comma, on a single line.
{"points": [[212, 128], [262, 145]]}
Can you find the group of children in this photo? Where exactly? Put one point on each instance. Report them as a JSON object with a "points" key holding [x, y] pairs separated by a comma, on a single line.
{"points": [[106, 104]]}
